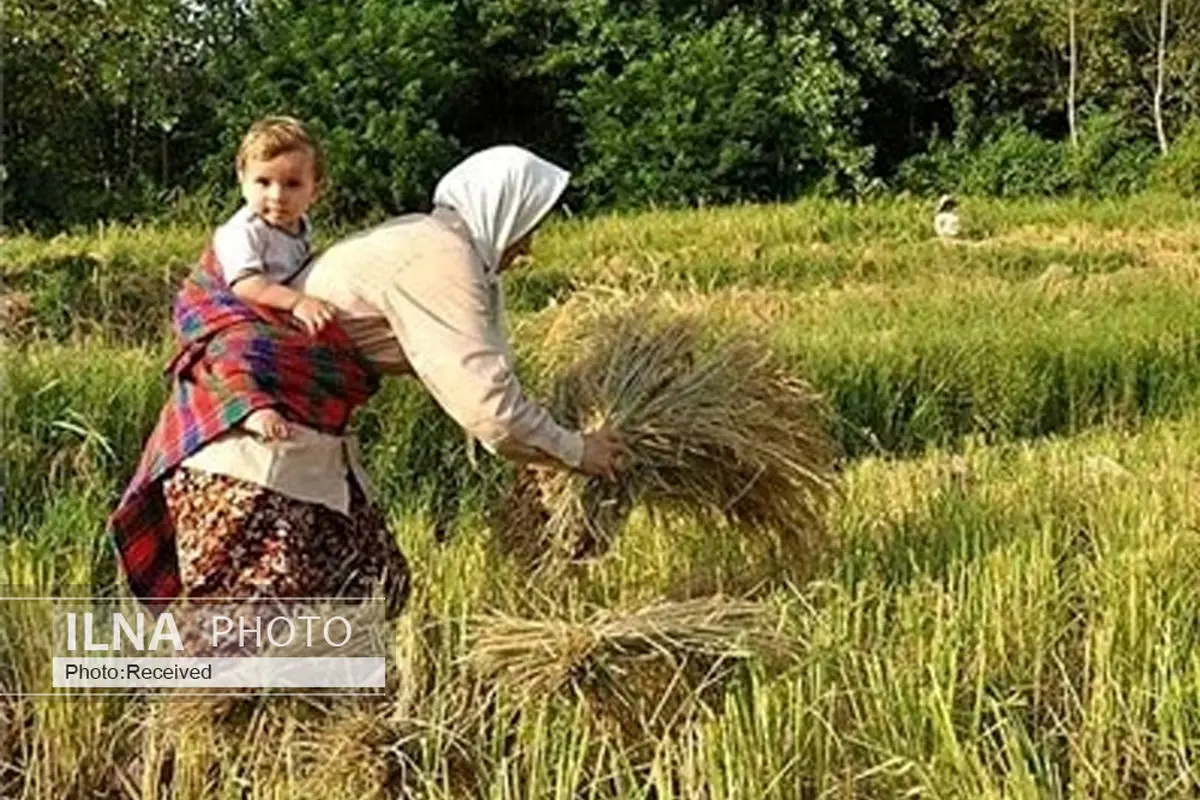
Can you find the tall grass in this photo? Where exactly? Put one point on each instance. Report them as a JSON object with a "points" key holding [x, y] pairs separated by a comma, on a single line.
{"points": [[902, 369], [117, 281], [1015, 620], [999, 612]]}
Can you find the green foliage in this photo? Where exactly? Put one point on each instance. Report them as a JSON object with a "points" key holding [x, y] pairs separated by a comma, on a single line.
{"points": [[1179, 169], [1112, 159], [126, 109], [1011, 162], [95, 97], [932, 172], [1016, 163], [371, 78], [1011, 60], [721, 114]]}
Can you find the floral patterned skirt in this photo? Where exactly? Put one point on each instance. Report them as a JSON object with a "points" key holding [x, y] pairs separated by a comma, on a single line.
{"points": [[238, 539]]}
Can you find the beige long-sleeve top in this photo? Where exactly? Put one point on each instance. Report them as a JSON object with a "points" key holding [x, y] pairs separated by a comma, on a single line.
{"points": [[415, 298]]}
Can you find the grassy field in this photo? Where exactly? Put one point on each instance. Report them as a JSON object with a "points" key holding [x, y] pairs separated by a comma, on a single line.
{"points": [[1005, 607]]}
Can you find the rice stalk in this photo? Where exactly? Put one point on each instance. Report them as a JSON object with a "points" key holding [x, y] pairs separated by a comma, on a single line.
{"points": [[718, 431], [546, 655], [12, 723], [644, 670]]}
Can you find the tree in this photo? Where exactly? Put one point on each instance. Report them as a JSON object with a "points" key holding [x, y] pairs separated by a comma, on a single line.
{"points": [[716, 114], [1177, 25], [93, 94], [374, 79], [1073, 48]]}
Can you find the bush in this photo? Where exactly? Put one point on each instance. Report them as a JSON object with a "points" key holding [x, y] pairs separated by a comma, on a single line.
{"points": [[1179, 169], [937, 170], [1014, 162], [717, 114], [1111, 159]]}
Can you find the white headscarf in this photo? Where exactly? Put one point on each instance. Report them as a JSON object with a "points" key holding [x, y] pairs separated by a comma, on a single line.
{"points": [[501, 193]]}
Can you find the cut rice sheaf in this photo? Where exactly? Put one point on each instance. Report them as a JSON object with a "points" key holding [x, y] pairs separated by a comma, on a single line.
{"points": [[642, 668], [718, 431]]}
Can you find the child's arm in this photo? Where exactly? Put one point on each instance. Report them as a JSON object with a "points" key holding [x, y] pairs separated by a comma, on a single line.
{"points": [[312, 313], [257, 289]]}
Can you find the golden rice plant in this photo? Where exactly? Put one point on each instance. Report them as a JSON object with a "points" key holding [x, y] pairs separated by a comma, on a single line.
{"points": [[718, 431], [12, 723], [642, 669]]}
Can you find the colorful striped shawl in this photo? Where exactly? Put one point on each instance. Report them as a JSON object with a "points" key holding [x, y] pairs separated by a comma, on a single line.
{"points": [[231, 359]]}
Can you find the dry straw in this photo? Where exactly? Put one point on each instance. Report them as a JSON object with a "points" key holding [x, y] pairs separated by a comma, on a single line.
{"points": [[639, 668], [718, 430]]}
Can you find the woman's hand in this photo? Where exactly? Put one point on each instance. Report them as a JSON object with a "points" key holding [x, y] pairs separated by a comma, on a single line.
{"points": [[313, 314], [602, 451]]}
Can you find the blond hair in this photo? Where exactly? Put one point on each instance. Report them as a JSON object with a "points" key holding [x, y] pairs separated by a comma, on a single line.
{"points": [[274, 136]]}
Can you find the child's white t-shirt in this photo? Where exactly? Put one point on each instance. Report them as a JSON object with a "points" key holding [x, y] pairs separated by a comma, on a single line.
{"points": [[248, 245]]}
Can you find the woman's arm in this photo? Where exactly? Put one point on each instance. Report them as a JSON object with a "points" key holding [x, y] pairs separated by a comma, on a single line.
{"points": [[440, 314]]}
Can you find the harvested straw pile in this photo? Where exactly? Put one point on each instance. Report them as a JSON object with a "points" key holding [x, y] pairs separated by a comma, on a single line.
{"points": [[12, 727], [718, 431], [636, 668]]}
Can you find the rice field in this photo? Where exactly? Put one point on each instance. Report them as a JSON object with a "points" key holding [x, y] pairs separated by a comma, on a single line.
{"points": [[1003, 604]]}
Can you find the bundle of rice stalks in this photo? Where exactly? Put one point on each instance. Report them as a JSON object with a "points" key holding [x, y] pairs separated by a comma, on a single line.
{"points": [[12, 726], [717, 430], [639, 669]]}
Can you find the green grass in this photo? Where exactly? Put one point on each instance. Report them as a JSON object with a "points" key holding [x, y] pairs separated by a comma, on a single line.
{"points": [[904, 369], [1013, 621], [117, 282], [1007, 608]]}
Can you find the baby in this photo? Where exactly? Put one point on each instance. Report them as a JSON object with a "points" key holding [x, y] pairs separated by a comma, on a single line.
{"points": [[266, 244]]}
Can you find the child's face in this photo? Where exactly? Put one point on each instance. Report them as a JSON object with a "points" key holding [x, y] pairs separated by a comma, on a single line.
{"points": [[280, 190]]}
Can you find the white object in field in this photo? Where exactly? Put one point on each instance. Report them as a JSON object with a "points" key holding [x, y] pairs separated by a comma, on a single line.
{"points": [[946, 225], [945, 217]]}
